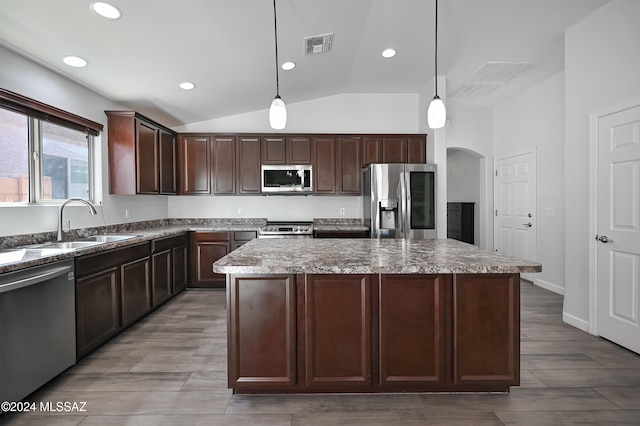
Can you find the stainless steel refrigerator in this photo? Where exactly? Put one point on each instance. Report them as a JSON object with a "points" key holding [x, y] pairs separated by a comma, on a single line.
{"points": [[400, 200]]}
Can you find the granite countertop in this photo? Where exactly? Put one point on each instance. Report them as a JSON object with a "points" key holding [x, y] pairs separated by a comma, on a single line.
{"points": [[333, 225], [367, 256]]}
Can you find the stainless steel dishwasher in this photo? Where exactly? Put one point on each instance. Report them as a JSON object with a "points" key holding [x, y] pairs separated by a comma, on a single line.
{"points": [[37, 327]]}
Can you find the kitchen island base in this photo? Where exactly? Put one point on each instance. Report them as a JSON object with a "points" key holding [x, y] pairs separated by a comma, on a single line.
{"points": [[358, 333]]}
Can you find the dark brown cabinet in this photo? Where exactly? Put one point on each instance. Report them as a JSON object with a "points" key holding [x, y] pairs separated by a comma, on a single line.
{"points": [[338, 330], [224, 165], [394, 149], [486, 329], [286, 150], [141, 155], [112, 291], [135, 290], [413, 348], [324, 169], [168, 267], [340, 234], [194, 159], [97, 308], [348, 166], [248, 179], [262, 330], [206, 248]]}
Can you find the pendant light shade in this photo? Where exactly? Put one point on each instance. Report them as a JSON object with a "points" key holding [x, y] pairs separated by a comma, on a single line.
{"points": [[278, 114], [437, 113], [278, 110]]}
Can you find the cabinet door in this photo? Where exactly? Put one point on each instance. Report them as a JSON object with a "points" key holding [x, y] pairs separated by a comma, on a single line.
{"points": [[224, 165], [179, 268], [249, 181], [273, 150], [195, 165], [135, 290], [324, 171], [206, 248], [349, 166], [486, 327], [337, 331], [413, 312], [394, 150], [97, 309], [417, 149], [262, 331], [371, 150], [161, 276], [299, 150], [147, 158], [167, 163]]}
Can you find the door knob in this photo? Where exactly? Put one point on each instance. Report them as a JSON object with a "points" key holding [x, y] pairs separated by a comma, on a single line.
{"points": [[603, 238], [528, 225]]}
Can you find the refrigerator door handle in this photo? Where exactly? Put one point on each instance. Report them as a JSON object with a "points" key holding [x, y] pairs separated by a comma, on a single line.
{"points": [[407, 211], [403, 206]]}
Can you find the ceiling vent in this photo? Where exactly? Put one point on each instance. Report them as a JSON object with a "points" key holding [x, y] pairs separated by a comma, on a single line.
{"points": [[318, 44], [491, 76]]}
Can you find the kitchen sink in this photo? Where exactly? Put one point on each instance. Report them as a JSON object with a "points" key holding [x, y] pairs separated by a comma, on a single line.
{"points": [[67, 245], [107, 238]]}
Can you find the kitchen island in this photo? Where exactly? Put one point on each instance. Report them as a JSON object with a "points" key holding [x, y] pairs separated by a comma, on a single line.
{"points": [[361, 315]]}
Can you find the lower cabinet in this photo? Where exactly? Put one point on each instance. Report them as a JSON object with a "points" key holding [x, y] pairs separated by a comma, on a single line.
{"points": [[341, 234], [115, 288], [262, 331], [373, 333], [206, 248], [168, 265], [337, 330]]}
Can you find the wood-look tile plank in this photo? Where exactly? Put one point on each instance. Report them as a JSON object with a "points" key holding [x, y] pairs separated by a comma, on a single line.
{"points": [[39, 419], [378, 419], [573, 418], [589, 378], [627, 398], [190, 420]]}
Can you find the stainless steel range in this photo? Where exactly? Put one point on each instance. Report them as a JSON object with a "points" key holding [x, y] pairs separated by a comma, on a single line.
{"points": [[286, 230]]}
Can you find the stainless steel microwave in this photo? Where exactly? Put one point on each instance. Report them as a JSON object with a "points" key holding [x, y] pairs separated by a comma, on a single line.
{"points": [[287, 179]]}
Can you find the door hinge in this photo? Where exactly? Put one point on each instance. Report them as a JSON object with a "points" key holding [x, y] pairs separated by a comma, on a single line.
{"points": [[496, 172], [496, 213]]}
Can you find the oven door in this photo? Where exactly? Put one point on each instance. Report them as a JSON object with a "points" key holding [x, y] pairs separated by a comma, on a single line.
{"points": [[287, 179]]}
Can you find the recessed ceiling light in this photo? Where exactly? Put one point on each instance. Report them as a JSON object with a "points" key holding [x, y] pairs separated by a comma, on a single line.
{"points": [[187, 85], [287, 66], [389, 53], [106, 10], [74, 61]]}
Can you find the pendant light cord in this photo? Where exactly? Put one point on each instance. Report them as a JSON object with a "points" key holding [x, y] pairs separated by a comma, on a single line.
{"points": [[435, 76], [275, 31]]}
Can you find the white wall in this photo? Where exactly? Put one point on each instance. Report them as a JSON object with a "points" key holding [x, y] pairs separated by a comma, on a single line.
{"points": [[471, 129], [533, 121], [22, 76], [601, 70]]}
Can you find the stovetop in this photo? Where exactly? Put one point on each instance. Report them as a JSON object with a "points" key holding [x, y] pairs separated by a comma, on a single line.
{"points": [[286, 228]]}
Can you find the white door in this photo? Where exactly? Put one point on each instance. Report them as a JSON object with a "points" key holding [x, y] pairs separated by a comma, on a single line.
{"points": [[515, 207], [618, 228]]}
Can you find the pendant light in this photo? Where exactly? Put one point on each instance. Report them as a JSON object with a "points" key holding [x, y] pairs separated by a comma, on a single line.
{"points": [[278, 111], [437, 113]]}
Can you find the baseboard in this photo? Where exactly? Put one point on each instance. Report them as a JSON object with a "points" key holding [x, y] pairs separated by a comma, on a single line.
{"points": [[549, 286], [578, 323]]}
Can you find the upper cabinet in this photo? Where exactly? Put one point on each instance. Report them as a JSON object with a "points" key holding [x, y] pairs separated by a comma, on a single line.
{"points": [[286, 149], [194, 164], [142, 155], [394, 149]]}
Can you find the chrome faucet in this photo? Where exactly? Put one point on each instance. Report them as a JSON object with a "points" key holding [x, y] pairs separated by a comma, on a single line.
{"points": [[92, 210]]}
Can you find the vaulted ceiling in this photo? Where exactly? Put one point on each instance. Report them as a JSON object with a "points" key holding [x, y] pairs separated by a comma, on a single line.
{"points": [[226, 48]]}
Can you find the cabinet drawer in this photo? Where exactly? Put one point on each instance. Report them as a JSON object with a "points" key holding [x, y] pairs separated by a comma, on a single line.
{"points": [[212, 236], [99, 261], [163, 244], [244, 235]]}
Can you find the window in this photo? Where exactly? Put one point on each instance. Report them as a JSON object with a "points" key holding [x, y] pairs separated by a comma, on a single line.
{"points": [[45, 154]]}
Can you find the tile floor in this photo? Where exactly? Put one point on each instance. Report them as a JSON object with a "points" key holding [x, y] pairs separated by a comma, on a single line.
{"points": [[170, 369]]}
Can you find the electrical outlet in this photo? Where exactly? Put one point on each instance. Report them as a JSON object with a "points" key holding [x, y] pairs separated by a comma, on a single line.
{"points": [[549, 212], [239, 211], [342, 210], [127, 213]]}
